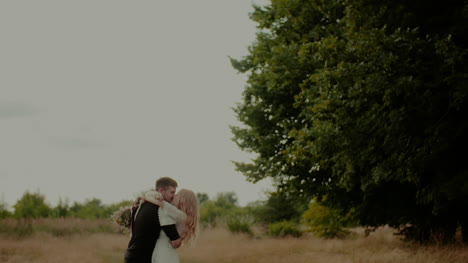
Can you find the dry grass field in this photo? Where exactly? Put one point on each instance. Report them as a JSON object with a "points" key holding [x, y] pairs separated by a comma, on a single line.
{"points": [[218, 245]]}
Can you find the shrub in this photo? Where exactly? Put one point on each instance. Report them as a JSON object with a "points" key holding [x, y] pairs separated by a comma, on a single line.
{"points": [[326, 222], [239, 225], [210, 214], [4, 213], [31, 205], [219, 210], [283, 229]]}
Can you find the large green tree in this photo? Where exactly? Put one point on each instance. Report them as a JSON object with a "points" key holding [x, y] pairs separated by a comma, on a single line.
{"points": [[364, 102]]}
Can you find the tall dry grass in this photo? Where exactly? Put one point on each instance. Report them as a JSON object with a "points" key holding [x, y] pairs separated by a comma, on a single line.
{"points": [[89, 248], [60, 240], [219, 245], [54, 226]]}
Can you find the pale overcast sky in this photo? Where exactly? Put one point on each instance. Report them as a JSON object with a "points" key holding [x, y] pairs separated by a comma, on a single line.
{"points": [[100, 98]]}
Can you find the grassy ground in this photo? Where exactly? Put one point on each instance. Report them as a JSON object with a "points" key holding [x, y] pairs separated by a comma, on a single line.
{"points": [[216, 245]]}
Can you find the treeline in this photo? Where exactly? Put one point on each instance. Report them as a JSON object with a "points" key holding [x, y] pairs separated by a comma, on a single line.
{"points": [[34, 205], [279, 215]]}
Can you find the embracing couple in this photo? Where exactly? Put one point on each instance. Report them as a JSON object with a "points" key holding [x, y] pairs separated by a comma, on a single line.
{"points": [[161, 222]]}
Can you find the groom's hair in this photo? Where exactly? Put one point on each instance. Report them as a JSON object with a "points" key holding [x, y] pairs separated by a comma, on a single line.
{"points": [[165, 182]]}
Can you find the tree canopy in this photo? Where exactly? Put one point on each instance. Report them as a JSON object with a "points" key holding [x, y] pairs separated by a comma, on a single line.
{"points": [[31, 205], [363, 102]]}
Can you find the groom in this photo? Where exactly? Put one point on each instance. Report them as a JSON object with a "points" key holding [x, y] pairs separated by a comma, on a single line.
{"points": [[146, 227]]}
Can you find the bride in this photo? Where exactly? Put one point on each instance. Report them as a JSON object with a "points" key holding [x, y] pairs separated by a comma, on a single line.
{"points": [[183, 212]]}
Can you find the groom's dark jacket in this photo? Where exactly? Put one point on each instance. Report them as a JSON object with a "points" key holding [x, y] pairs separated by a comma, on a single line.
{"points": [[145, 232]]}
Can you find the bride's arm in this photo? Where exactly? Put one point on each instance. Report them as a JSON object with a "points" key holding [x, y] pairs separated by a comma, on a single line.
{"points": [[168, 208], [155, 201], [178, 216], [168, 225], [173, 212]]}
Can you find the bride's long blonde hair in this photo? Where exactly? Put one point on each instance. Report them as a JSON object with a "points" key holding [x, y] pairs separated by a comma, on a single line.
{"points": [[187, 201]]}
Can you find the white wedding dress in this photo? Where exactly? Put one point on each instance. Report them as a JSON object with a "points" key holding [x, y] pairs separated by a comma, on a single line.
{"points": [[163, 251]]}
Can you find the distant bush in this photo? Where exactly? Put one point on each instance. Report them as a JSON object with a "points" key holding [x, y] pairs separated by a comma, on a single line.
{"points": [[202, 198], [61, 210], [31, 205], [4, 213], [210, 214], [239, 225], [326, 222], [90, 209], [283, 229], [219, 210]]}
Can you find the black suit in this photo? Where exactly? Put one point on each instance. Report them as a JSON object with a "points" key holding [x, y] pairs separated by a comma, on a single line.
{"points": [[145, 232]]}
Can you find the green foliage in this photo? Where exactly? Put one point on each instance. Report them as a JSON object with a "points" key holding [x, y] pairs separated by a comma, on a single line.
{"points": [[213, 212], [284, 229], [224, 210], [4, 212], [31, 205], [259, 211], [202, 198], [326, 222], [62, 209], [364, 102], [210, 214], [226, 200], [280, 206], [95, 209], [91, 209], [237, 224]]}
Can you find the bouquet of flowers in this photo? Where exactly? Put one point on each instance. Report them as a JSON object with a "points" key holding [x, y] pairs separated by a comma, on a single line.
{"points": [[122, 218]]}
